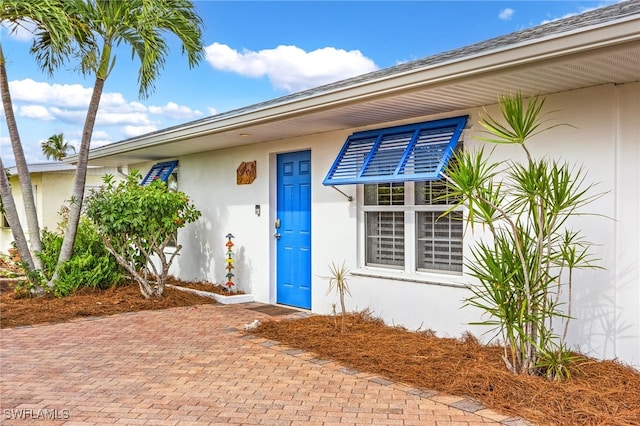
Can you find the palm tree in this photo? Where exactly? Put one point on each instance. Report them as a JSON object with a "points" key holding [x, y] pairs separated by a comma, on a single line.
{"points": [[50, 17], [141, 24], [56, 148], [97, 26]]}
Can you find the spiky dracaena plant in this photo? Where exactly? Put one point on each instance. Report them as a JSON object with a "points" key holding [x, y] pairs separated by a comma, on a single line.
{"points": [[529, 260], [338, 281]]}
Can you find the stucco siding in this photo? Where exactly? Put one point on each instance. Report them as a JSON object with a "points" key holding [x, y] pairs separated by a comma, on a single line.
{"points": [[602, 138], [626, 277]]}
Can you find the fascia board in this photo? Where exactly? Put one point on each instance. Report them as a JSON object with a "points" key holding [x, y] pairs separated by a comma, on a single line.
{"points": [[43, 168]]}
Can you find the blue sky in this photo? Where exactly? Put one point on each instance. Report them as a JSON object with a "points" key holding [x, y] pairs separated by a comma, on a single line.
{"points": [[255, 51]]}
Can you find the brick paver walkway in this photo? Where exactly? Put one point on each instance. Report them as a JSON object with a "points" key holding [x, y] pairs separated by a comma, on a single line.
{"points": [[196, 366]]}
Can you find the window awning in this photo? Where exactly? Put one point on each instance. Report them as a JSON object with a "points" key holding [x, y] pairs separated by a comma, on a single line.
{"points": [[397, 154], [160, 171]]}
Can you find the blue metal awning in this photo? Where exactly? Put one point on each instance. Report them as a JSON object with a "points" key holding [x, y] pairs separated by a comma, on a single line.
{"points": [[397, 154], [160, 171]]}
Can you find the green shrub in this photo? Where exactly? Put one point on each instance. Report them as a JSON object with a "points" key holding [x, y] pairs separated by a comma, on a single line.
{"points": [[51, 244], [91, 265], [137, 223]]}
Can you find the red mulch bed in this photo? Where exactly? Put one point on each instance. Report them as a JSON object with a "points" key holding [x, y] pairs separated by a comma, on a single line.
{"points": [[599, 392], [16, 310], [201, 285]]}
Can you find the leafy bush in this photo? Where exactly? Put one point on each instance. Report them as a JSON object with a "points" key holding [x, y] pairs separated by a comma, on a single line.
{"points": [[91, 265], [137, 223]]}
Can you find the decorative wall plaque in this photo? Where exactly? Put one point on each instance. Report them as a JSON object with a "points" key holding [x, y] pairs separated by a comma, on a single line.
{"points": [[246, 173]]}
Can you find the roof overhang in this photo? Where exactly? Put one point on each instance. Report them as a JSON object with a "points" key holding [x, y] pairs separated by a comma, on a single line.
{"points": [[44, 168], [585, 57]]}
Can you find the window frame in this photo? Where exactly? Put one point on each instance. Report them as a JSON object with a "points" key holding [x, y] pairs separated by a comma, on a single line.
{"points": [[410, 210]]}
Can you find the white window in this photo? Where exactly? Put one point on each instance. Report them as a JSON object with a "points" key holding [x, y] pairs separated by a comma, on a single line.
{"points": [[404, 228]]}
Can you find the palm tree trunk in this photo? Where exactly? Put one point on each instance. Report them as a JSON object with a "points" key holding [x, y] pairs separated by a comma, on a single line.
{"points": [[80, 179], [11, 213], [22, 245], [23, 170]]}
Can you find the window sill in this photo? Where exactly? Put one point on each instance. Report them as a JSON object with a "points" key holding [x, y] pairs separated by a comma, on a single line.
{"points": [[444, 280]]}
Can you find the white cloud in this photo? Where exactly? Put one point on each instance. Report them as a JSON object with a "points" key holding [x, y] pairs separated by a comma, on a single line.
{"points": [[290, 68], [175, 111], [106, 118], [212, 111], [506, 14], [95, 142], [131, 131], [52, 108], [72, 116], [116, 100], [35, 111], [97, 134], [69, 102], [64, 95], [137, 106], [98, 138]]}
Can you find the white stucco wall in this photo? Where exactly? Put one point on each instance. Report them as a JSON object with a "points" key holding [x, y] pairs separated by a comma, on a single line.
{"points": [[626, 268], [605, 140]]}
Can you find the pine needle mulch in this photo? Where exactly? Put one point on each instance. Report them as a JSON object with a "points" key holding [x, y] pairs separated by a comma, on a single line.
{"points": [[20, 311], [599, 392]]}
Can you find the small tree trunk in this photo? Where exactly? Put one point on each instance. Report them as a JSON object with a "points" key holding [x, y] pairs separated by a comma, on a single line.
{"points": [[146, 288], [344, 310]]}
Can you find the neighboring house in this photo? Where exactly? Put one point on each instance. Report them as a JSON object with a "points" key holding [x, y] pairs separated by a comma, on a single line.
{"points": [[52, 184], [291, 218]]}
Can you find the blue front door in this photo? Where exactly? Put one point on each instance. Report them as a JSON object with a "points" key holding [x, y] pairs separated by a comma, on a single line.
{"points": [[293, 272]]}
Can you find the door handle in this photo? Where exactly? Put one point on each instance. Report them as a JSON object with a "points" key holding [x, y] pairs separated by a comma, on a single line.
{"points": [[277, 235]]}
